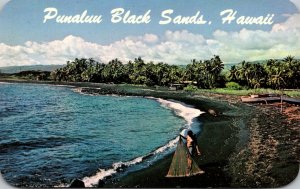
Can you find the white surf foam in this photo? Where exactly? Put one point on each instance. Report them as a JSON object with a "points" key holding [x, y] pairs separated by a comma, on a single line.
{"points": [[93, 180], [3, 82], [189, 113], [170, 144], [57, 85], [183, 110]]}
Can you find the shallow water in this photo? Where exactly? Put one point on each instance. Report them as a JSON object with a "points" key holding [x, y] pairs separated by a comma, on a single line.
{"points": [[51, 134]]}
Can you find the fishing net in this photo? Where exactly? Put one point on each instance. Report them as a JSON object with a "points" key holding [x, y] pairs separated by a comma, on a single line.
{"points": [[179, 166]]}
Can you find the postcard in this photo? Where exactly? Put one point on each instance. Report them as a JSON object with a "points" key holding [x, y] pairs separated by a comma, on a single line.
{"points": [[150, 94]]}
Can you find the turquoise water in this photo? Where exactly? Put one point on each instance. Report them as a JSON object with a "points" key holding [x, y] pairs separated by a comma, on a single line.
{"points": [[51, 134]]}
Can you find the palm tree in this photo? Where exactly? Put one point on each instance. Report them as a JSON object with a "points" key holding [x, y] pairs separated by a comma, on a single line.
{"points": [[113, 71], [175, 74], [215, 70], [256, 76], [207, 70], [233, 75], [291, 71], [289, 59], [97, 75], [160, 69], [277, 80]]}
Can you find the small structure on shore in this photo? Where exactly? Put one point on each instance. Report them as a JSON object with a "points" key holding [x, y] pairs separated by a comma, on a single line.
{"points": [[181, 85], [176, 86], [266, 98]]}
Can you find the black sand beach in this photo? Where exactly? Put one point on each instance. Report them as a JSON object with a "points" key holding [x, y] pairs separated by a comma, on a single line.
{"points": [[242, 146]]}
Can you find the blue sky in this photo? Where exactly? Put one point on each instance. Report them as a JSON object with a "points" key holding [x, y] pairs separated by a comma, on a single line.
{"points": [[25, 39]]}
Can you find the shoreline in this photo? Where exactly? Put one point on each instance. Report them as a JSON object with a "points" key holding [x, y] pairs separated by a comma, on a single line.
{"points": [[240, 147], [181, 110]]}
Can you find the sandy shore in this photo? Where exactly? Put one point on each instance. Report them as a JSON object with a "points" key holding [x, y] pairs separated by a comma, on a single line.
{"points": [[243, 146], [271, 157]]}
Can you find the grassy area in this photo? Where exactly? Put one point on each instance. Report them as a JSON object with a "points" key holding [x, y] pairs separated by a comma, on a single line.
{"points": [[245, 92], [12, 78]]}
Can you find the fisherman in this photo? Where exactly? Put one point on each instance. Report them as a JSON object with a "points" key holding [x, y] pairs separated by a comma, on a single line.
{"points": [[182, 164], [191, 143]]}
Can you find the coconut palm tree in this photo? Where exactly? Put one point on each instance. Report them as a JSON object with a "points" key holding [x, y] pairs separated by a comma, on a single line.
{"points": [[215, 70], [291, 71], [113, 71], [233, 75], [138, 76]]}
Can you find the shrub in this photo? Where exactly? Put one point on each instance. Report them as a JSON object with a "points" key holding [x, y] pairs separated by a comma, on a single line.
{"points": [[233, 85], [190, 88]]}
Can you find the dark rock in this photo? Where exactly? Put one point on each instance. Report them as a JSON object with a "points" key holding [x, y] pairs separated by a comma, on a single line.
{"points": [[76, 183], [212, 112], [101, 184]]}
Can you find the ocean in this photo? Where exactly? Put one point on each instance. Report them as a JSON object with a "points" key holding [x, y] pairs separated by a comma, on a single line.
{"points": [[50, 135]]}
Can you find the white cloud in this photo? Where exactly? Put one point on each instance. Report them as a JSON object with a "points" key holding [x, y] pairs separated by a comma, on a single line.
{"points": [[173, 47], [3, 3], [257, 45], [296, 3], [292, 22]]}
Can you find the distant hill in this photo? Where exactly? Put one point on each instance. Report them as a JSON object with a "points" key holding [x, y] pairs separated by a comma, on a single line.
{"points": [[227, 66], [17, 69]]}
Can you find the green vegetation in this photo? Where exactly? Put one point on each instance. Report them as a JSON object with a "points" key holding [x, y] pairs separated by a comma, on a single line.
{"points": [[17, 69], [207, 74], [245, 92], [27, 75], [242, 79], [190, 88], [275, 74], [233, 85]]}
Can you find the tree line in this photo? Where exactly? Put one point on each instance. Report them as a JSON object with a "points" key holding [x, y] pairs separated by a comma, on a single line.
{"points": [[204, 74], [275, 74]]}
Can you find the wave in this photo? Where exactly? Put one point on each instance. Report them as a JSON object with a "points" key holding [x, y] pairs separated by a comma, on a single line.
{"points": [[3, 82], [120, 166], [58, 85], [189, 113], [183, 110], [88, 91]]}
